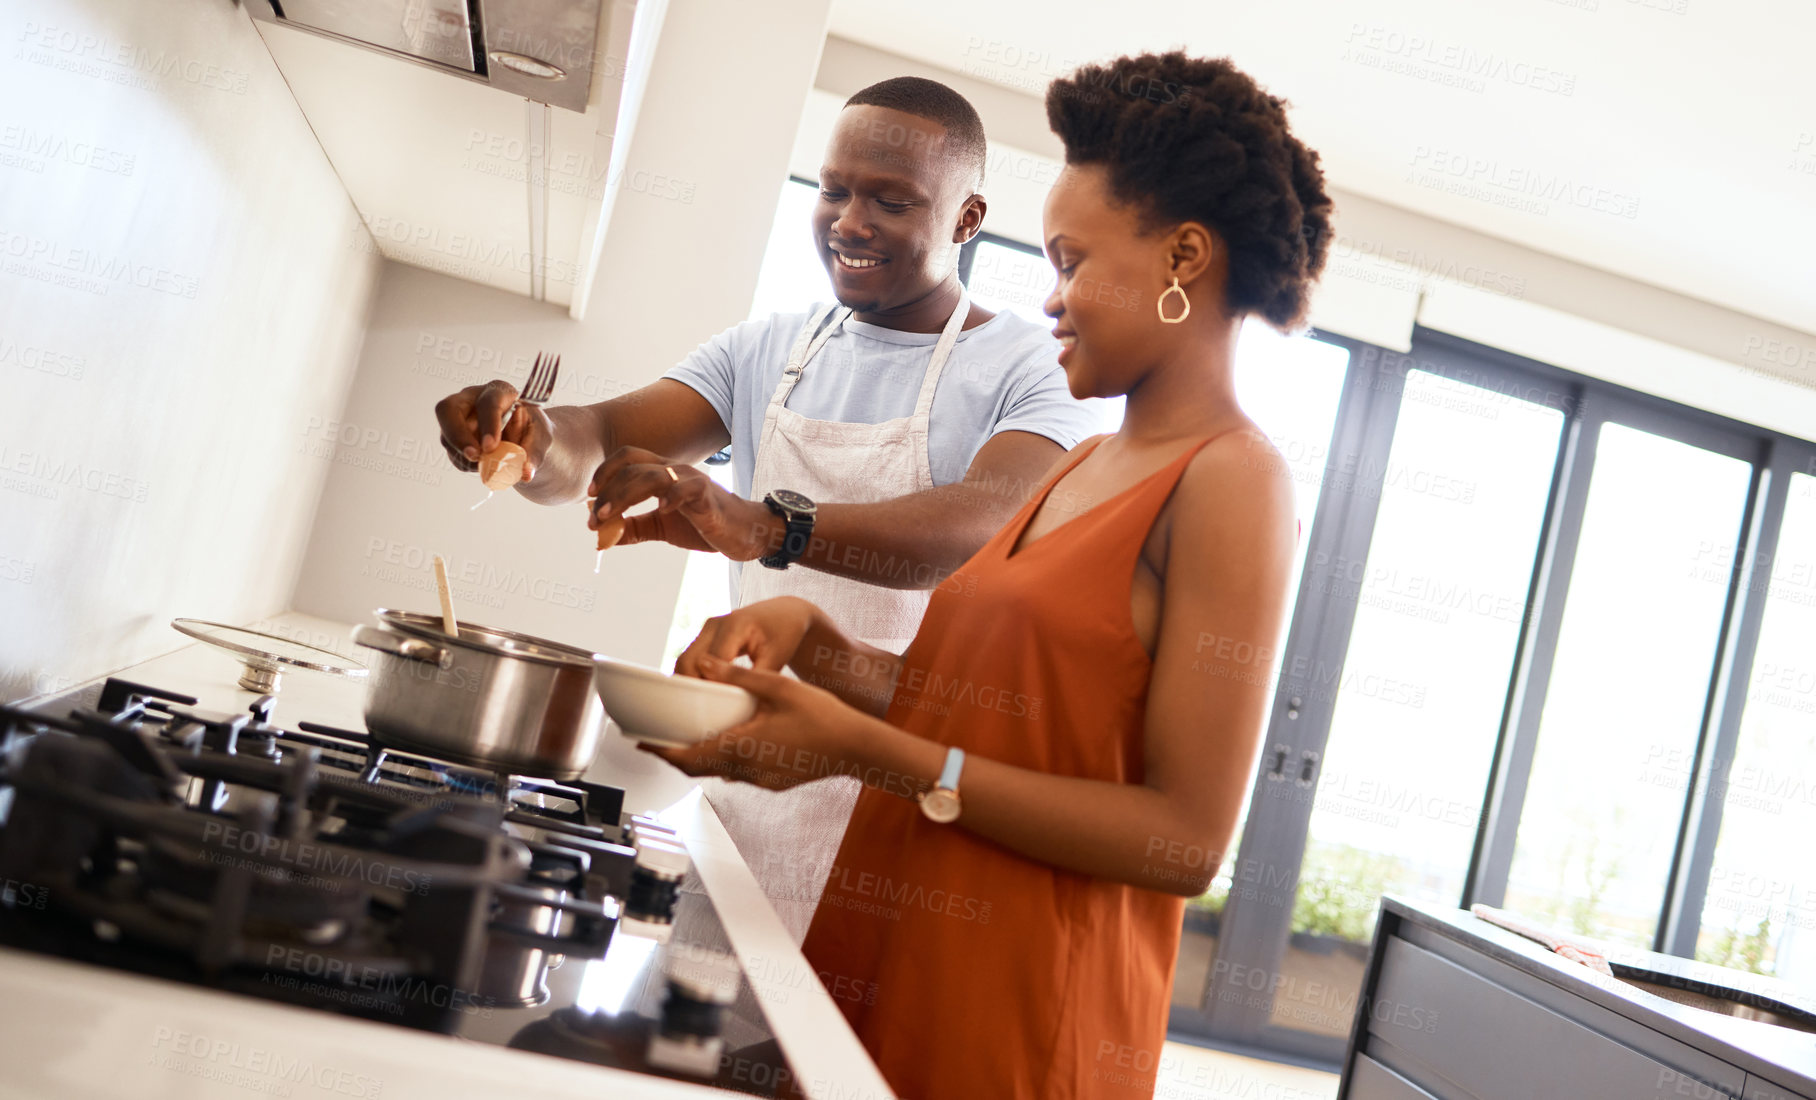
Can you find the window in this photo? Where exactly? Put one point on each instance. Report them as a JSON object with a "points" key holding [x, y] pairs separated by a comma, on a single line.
{"points": [[1760, 910], [1630, 681], [1438, 606], [1510, 664], [1015, 278]]}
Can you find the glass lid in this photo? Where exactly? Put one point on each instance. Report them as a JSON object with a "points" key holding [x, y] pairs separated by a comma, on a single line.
{"points": [[267, 648]]}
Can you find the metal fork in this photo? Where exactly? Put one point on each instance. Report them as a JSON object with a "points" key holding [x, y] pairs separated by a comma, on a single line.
{"points": [[539, 387]]}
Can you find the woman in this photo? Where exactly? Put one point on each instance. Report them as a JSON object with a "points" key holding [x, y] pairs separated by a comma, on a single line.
{"points": [[1090, 688]]}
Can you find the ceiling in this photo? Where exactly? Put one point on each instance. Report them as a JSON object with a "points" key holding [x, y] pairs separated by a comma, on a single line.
{"points": [[1669, 141]]}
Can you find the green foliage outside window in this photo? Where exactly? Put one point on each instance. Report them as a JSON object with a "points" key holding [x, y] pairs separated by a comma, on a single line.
{"points": [[1213, 900], [1738, 952], [1340, 891]]}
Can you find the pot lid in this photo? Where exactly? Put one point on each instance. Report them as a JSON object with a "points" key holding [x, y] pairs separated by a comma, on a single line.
{"points": [[264, 657]]}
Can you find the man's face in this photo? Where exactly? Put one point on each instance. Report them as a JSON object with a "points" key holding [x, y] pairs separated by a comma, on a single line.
{"points": [[894, 208]]}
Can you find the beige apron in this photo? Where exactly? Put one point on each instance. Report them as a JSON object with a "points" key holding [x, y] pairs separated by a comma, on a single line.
{"points": [[791, 837]]}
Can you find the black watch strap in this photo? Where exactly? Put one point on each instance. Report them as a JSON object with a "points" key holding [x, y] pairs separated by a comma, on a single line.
{"points": [[797, 532]]}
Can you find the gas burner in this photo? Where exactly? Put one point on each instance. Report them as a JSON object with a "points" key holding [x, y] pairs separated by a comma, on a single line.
{"points": [[304, 865], [282, 896]]}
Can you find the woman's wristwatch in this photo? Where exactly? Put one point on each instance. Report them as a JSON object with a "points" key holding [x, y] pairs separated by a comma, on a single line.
{"points": [[941, 804]]}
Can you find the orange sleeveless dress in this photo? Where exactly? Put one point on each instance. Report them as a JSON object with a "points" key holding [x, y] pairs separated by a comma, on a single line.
{"points": [[968, 970]]}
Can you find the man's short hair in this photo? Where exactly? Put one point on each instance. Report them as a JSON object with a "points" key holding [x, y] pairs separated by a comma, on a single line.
{"points": [[933, 101]]}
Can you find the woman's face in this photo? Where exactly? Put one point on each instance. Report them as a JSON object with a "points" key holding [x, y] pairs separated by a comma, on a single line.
{"points": [[1109, 275]]}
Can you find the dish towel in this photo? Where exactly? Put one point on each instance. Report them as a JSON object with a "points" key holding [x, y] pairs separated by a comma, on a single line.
{"points": [[1575, 950]]}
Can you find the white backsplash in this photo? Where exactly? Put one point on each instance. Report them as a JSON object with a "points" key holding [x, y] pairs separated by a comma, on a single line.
{"points": [[181, 276]]}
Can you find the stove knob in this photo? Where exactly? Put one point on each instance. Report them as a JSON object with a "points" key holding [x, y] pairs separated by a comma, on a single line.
{"points": [[649, 905], [686, 1040]]}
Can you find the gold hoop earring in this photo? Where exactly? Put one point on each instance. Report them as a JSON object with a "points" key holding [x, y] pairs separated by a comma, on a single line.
{"points": [[1160, 305]]}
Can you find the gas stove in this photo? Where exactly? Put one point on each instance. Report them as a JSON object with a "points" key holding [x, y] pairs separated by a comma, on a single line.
{"points": [[312, 867]]}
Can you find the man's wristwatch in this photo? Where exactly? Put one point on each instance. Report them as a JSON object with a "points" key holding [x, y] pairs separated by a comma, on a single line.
{"points": [[797, 514], [941, 804]]}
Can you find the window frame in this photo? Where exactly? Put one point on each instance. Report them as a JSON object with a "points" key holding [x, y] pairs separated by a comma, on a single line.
{"points": [[967, 253], [1256, 919]]}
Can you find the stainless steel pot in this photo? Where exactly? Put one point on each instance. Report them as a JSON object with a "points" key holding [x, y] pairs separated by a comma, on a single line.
{"points": [[489, 698]]}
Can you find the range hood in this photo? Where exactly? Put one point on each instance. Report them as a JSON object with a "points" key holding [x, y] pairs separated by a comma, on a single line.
{"points": [[542, 50], [480, 178]]}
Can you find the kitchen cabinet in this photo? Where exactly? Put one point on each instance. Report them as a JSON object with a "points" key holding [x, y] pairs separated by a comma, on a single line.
{"points": [[1758, 1089], [1456, 1009], [1370, 1080], [1435, 1014]]}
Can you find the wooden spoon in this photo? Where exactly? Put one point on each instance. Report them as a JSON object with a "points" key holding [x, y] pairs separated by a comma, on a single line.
{"points": [[448, 622]]}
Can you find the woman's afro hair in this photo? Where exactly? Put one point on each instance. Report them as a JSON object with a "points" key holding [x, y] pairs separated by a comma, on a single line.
{"points": [[1196, 139]]}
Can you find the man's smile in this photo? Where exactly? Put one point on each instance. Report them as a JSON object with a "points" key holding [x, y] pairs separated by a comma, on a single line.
{"points": [[855, 261]]}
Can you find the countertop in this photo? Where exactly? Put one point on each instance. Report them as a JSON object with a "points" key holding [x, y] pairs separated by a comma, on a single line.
{"points": [[72, 1030]]}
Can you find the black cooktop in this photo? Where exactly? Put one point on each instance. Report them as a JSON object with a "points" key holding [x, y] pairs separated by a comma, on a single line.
{"points": [[309, 866]]}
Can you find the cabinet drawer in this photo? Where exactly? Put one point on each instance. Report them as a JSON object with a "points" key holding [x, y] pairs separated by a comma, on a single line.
{"points": [[1370, 1080], [1497, 1045], [1765, 1090]]}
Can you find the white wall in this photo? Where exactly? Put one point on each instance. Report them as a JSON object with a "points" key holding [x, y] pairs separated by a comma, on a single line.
{"points": [[727, 87], [181, 276]]}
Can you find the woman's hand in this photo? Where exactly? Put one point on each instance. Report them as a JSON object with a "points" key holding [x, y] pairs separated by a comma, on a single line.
{"points": [[768, 632], [800, 732], [791, 632]]}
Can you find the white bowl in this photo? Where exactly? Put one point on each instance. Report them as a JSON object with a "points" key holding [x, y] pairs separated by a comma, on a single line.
{"points": [[650, 705]]}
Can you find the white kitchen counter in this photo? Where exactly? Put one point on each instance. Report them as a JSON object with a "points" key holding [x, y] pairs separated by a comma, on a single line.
{"points": [[72, 1030]]}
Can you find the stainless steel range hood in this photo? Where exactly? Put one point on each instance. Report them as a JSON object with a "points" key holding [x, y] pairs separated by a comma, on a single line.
{"points": [[543, 50]]}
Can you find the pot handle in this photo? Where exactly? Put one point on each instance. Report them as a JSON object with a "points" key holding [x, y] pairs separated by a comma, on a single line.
{"points": [[413, 649]]}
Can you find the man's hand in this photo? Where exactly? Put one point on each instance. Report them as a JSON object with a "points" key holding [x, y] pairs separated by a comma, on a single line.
{"points": [[563, 443], [472, 424], [695, 513]]}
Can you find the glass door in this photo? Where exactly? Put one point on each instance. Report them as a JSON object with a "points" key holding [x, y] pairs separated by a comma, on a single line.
{"points": [[1438, 601]]}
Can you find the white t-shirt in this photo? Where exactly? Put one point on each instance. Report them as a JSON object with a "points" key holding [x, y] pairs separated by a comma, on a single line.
{"points": [[1002, 375]]}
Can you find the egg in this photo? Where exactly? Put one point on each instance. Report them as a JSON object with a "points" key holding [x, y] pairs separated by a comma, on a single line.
{"points": [[502, 466], [610, 531]]}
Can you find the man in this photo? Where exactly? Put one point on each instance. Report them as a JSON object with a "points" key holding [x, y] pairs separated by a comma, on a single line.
{"points": [[875, 445]]}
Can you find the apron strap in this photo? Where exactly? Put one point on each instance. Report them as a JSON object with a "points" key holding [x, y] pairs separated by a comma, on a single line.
{"points": [[942, 351], [808, 344], [813, 337]]}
